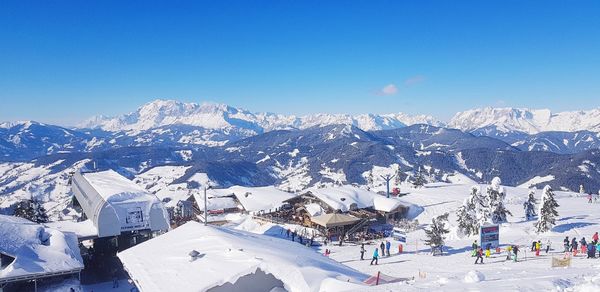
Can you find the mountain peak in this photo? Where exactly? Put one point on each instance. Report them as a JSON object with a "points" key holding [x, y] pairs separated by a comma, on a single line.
{"points": [[162, 112], [526, 120]]}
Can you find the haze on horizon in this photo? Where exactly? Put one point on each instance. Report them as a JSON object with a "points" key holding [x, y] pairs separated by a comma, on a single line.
{"points": [[63, 62]]}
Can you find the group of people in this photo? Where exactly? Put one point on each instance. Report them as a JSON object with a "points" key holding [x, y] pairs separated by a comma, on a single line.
{"points": [[385, 251], [293, 234], [478, 252], [589, 248], [536, 246]]}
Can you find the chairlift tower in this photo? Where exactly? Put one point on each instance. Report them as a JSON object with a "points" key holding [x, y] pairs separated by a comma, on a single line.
{"points": [[387, 179]]}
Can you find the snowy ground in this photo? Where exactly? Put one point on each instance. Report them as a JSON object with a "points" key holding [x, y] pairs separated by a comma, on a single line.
{"points": [[454, 270]]}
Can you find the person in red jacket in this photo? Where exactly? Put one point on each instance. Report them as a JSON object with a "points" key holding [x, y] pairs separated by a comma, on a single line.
{"points": [[595, 237], [479, 255]]}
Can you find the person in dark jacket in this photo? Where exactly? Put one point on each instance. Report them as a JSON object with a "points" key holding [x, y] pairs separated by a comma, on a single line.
{"points": [[573, 244], [591, 250], [362, 251], [515, 249], [382, 246], [566, 243]]}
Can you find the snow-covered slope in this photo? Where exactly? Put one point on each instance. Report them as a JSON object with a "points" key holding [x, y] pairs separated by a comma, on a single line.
{"points": [[526, 120], [219, 116]]}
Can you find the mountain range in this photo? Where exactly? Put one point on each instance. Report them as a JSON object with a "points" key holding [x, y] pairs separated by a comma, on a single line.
{"points": [[233, 146]]}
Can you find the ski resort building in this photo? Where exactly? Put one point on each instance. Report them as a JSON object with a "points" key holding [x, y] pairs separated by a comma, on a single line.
{"points": [[32, 255], [256, 200], [348, 199], [221, 202], [194, 257], [115, 204]]}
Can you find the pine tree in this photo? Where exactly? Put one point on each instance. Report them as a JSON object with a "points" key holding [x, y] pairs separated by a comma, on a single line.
{"points": [[400, 176], [39, 212], [419, 179], [31, 210], [529, 205], [496, 196], [435, 235], [482, 207], [24, 209], [467, 220], [547, 212], [370, 179]]}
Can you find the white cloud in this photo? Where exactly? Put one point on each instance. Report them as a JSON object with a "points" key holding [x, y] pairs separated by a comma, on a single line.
{"points": [[414, 80], [389, 89]]}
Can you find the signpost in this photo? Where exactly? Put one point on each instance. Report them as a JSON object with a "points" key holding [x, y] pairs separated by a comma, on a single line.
{"points": [[489, 235], [399, 235]]}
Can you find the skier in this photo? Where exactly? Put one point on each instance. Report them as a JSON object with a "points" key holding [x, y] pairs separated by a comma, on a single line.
{"points": [[508, 252], [287, 233], [574, 244], [382, 246], [474, 248], [538, 247], [479, 255], [583, 245], [515, 251], [362, 251], [589, 198], [566, 244], [388, 245], [548, 245], [293, 235], [533, 246], [595, 237], [375, 256], [591, 250]]}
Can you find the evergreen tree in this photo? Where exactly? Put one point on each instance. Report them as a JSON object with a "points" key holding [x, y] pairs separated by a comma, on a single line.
{"points": [[399, 178], [482, 207], [24, 209], [370, 179], [39, 212], [31, 210], [529, 205], [547, 212], [419, 179], [467, 219], [496, 196], [435, 235]]}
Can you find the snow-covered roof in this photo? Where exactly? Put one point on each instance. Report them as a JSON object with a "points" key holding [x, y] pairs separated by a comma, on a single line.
{"points": [[37, 250], [83, 229], [314, 209], [115, 204], [255, 199], [214, 203], [164, 264], [346, 198], [114, 187]]}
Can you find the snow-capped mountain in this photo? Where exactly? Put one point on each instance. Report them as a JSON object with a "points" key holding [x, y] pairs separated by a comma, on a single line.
{"points": [[526, 120], [297, 159], [161, 113]]}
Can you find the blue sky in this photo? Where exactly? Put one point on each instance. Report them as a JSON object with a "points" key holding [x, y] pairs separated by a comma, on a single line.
{"points": [[63, 61]]}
